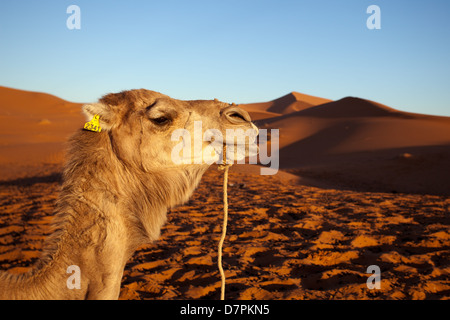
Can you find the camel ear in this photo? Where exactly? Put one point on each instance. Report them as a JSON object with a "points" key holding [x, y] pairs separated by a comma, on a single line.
{"points": [[106, 114]]}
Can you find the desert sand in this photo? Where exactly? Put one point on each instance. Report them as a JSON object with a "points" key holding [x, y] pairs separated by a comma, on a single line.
{"points": [[361, 184]]}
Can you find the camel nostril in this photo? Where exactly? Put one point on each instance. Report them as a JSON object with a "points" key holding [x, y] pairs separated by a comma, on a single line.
{"points": [[236, 115]]}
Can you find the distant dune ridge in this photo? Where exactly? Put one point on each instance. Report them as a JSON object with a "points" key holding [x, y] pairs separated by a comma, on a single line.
{"points": [[287, 104], [359, 144]]}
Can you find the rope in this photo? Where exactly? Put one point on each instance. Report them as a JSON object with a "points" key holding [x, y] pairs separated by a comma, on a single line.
{"points": [[224, 166]]}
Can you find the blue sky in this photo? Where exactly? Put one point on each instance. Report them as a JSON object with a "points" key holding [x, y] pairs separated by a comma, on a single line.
{"points": [[236, 51]]}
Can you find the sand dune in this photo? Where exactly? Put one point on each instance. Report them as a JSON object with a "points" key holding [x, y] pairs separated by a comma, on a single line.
{"points": [[287, 104], [352, 107], [363, 184], [34, 127], [360, 144], [33, 117]]}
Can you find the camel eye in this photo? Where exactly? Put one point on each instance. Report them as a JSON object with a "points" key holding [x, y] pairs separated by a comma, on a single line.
{"points": [[238, 116], [160, 120]]}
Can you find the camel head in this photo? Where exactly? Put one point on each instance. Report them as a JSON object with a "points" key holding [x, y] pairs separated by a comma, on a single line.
{"points": [[152, 131]]}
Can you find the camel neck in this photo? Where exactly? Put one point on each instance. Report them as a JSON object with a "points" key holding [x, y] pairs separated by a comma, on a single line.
{"points": [[100, 220]]}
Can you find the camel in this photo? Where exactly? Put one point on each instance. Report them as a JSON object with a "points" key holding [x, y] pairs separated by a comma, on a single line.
{"points": [[116, 189]]}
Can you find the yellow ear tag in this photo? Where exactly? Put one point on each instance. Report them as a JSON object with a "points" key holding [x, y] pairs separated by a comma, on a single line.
{"points": [[93, 125]]}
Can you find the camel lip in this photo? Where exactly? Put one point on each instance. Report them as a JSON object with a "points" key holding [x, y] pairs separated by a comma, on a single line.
{"points": [[237, 139], [248, 148], [225, 143]]}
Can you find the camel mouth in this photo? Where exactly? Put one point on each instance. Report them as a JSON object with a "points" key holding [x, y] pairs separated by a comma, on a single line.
{"points": [[235, 152], [238, 145]]}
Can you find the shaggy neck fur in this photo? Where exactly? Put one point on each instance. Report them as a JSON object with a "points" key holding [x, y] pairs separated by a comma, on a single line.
{"points": [[105, 211]]}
